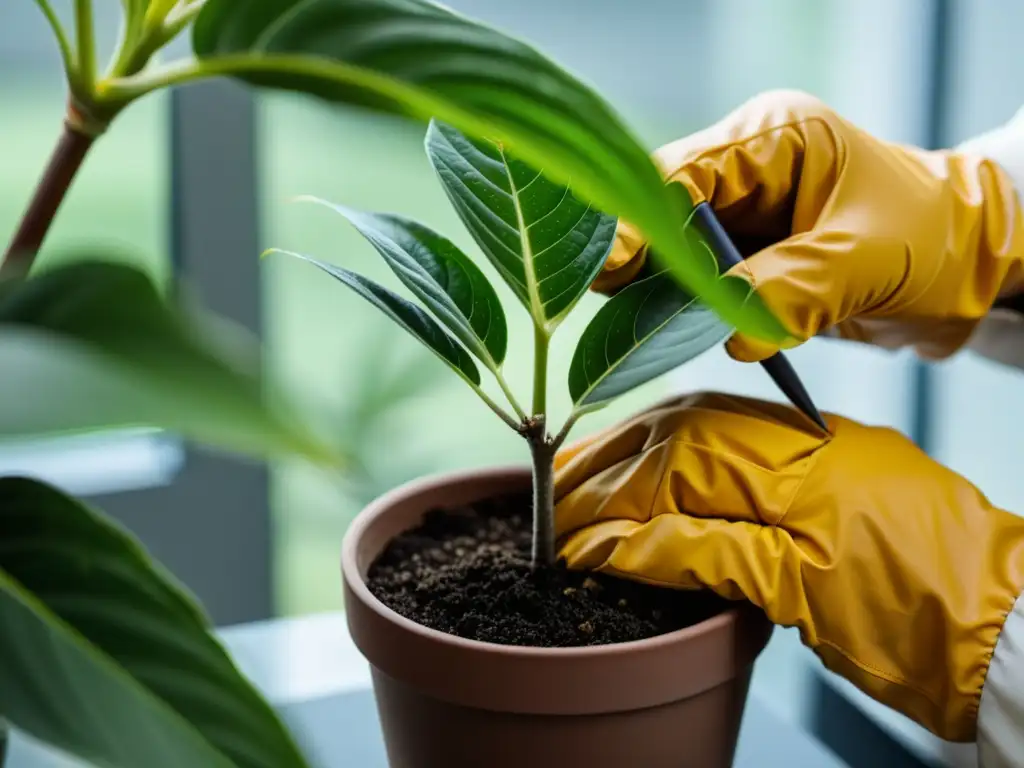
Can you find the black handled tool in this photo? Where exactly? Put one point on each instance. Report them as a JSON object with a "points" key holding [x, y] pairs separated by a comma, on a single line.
{"points": [[777, 366]]}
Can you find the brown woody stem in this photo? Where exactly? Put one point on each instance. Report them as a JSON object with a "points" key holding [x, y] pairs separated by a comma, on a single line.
{"points": [[542, 452], [64, 163]]}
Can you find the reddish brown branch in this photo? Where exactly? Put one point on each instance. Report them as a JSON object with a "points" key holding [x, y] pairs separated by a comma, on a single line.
{"points": [[53, 187]]}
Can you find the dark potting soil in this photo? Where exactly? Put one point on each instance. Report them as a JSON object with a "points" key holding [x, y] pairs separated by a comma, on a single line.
{"points": [[467, 572]]}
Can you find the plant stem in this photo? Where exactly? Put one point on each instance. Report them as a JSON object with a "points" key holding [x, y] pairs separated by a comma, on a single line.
{"points": [[66, 55], [501, 413], [162, 22], [4, 734], [179, 18], [541, 343], [563, 433], [86, 44], [542, 451], [64, 163], [509, 395]]}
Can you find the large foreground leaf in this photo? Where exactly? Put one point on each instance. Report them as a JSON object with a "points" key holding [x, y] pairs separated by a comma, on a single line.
{"points": [[413, 58], [92, 345], [451, 286], [412, 318], [104, 657], [548, 245], [643, 331]]}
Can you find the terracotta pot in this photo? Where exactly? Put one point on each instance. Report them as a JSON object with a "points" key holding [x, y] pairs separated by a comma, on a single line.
{"points": [[446, 702]]}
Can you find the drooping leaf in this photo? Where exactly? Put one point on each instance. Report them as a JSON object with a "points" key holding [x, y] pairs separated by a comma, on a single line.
{"points": [[420, 60], [645, 330], [411, 317], [92, 345], [450, 285], [547, 244], [105, 657]]}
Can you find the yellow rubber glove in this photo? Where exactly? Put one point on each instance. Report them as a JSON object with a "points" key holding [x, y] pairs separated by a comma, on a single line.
{"points": [[897, 571], [887, 244]]}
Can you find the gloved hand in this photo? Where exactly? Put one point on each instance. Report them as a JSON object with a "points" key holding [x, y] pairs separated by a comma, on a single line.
{"points": [[886, 244], [897, 571]]}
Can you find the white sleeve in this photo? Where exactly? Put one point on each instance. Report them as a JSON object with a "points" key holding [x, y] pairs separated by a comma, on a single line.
{"points": [[1000, 336], [1001, 714]]}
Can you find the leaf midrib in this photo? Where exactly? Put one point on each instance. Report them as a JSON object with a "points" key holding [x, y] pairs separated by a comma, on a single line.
{"points": [[529, 270], [405, 263], [12, 589], [477, 342], [480, 222]]}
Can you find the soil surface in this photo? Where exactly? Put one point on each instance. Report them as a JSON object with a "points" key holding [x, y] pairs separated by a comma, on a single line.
{"points": [[467, 572]]}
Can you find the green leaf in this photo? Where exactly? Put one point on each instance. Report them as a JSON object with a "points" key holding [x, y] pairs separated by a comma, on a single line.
{"points": [[450, 285], [92, 345], [547, 245], [420, 60], [107, 658], [411, 317], [645, 330]]}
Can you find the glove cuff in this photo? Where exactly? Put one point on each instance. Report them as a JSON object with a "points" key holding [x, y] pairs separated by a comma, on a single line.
{"points": [[1001, 712]]}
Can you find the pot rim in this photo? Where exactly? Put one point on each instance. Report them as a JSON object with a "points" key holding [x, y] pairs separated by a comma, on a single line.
{"points": [[357, 583]]}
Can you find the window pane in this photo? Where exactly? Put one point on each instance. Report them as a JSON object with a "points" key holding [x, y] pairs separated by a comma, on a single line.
{"points": [[977, 429]]}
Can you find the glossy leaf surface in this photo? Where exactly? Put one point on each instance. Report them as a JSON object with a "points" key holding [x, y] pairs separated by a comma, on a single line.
{"points": [[643, 331], [448, 283], [412, 318], [105, 657], [547, 244]]}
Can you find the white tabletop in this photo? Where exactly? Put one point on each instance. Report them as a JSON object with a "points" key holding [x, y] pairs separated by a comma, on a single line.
{"points": [[312, 672]]}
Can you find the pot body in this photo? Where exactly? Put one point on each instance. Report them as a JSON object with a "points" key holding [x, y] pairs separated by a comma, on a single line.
{"points": [[673, 701]]}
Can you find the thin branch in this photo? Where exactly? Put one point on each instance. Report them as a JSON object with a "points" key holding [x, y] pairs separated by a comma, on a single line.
{"points": [[502, 413], [159, 30], [541, 345], [157, 11], [53, 188], [86, 44], [63, 43], [500, 378], [180, 17], [121, 90], [563, 433]]}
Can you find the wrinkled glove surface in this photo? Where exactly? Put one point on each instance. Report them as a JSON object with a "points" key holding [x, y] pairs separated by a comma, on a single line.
{"points": [[885, 244], [897, 571]]}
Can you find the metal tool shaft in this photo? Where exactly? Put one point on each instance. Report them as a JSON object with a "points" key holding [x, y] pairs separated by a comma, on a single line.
{"points": [[777, 366]]}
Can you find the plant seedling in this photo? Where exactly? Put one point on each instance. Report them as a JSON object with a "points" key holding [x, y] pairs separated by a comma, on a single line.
{"points": [[548, 246]]}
